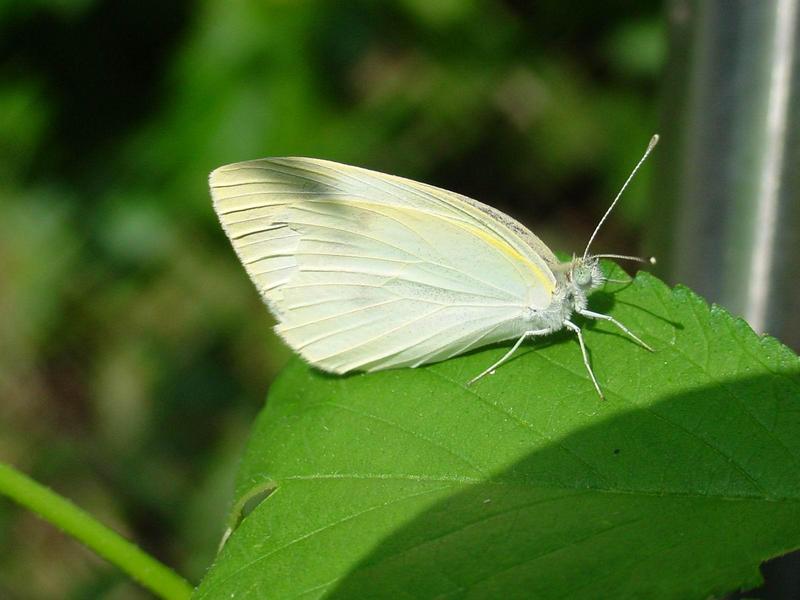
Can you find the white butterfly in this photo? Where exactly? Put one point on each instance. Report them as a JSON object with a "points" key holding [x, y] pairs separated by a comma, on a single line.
{"points": [[367, 271]]}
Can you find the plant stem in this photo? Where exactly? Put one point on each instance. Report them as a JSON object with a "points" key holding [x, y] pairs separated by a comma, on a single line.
{"points": [[57, 510]]}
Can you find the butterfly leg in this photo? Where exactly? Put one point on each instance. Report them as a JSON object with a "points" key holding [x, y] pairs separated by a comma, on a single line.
{"points": [[508, 354], [593, 315], [570, 325]]}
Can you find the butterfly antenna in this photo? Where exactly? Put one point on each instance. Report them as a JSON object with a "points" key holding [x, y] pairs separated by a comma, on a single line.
{"points": [[650, 146], [650, 260]]}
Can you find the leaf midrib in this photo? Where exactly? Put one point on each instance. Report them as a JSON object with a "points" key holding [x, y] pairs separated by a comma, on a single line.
{"points": [[466, 481]]}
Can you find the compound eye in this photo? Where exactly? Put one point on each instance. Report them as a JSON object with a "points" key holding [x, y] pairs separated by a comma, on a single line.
{"points": [[582, 278]]}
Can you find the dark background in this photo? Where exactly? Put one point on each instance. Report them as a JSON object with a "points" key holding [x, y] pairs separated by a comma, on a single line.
{"points": [[134, 352]]}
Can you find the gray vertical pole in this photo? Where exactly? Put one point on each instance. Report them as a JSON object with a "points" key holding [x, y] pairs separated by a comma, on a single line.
{"points": [[727, 216], [726, 220]]}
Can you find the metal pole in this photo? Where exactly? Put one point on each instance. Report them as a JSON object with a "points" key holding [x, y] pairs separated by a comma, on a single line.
{"points": [[726, 220], [727, 216]]}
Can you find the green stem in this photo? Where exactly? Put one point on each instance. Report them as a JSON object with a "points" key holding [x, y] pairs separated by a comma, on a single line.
{"points": [[57, 510]]}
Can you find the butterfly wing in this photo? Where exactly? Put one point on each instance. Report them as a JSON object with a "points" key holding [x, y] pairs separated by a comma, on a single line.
{"points": [[369, 271]]}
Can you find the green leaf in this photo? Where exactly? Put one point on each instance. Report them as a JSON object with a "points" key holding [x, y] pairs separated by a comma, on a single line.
{"points": [[408, 484]]}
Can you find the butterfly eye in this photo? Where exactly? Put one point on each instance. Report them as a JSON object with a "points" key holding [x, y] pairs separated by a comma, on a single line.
{"points": [[582, 277]]}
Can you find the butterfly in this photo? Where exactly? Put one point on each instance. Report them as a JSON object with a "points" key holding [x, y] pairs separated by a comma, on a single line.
{"points": [[366, 271]]}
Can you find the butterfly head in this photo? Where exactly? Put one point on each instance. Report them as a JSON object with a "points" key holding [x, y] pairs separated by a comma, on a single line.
{"points": [[581, 276], [585, 274]]}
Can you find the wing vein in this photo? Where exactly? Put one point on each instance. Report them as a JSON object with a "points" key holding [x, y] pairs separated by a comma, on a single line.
{"points": [[427, 261], [339, 315], [382, 334]]}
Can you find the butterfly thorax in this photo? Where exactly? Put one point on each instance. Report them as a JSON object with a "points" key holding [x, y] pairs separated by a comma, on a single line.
{"points": [[575, 280]]}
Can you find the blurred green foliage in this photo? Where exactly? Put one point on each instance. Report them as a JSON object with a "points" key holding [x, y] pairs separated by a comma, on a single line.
{"points": [[133, 350]]}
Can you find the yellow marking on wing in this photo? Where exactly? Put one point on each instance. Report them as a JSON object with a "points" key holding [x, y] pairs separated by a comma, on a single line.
{"points": [[493, 241], [504, 247]]}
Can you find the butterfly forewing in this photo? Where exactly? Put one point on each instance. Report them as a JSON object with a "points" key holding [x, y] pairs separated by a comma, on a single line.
{"points": [[369, 271]]}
